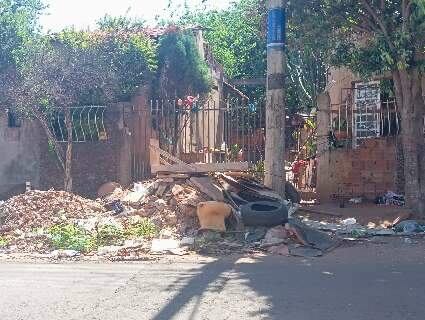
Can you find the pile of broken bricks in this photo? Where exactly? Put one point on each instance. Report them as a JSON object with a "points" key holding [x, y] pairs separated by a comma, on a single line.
{"points": [[186, 208]]}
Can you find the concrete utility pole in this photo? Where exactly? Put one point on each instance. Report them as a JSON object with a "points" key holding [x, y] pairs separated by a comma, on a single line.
{"points": [[274, 165]]}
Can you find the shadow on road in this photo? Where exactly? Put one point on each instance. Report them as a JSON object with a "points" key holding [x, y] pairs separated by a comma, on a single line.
{"points": [[213, 277]]}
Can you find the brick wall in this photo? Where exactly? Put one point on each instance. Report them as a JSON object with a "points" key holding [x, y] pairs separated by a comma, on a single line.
{"points": [[94, 163], [367, 171]]}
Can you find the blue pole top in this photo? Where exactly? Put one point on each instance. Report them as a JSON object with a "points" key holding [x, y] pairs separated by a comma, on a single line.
{"points": [[276, 35]]}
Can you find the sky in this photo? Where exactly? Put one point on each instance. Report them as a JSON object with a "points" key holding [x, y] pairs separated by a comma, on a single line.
{"points": [[84, 13]]}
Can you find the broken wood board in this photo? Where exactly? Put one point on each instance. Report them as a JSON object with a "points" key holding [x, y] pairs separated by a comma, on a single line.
{"points": [[317, 211], [172, 175], [169, 156], [201, 167], [206, 185], [155, 158]]}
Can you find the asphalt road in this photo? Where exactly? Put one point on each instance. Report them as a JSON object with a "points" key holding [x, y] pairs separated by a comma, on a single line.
{"points": [[374, 281]]}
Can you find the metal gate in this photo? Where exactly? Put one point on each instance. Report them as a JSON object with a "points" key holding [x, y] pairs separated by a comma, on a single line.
{"points": [[204, 132]]}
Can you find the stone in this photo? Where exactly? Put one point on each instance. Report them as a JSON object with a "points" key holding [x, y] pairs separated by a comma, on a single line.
{"points": [[177, 189], [164, 245], [279, 232], [135, 220], [108, 250], [134, 243], [280, 250], [64, 254], [165, 234], [187, 241], [87, 224], [160, 203]]}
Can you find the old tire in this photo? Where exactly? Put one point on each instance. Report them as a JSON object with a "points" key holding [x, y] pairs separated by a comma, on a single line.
{"points": [[264, 213], [291, 193]]}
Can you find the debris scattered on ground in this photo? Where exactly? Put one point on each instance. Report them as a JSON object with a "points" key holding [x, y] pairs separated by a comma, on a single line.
{"points": [[391, 198], [176, 214], [349, 221], [350, 229], [355, 200], [43, 209]]}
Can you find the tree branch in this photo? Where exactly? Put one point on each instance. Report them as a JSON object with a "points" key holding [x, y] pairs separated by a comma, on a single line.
{"points": [[379, 22], [406, 12]]}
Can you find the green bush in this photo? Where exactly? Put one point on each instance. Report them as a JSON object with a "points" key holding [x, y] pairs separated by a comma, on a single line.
{"points": [[70, 237], [146, 228], [109, 235]]}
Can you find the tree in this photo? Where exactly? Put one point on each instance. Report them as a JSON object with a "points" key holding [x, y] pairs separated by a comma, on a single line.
{"points": [[18, 22], [79, 68], [56, 74], [237, 36], [182, 70], [383, 36]]}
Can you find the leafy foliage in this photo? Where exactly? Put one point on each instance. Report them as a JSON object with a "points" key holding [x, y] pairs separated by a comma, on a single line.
{"points": [[17, 25], [120, 23], [146, 228], [182, 70], [70, 237], [369, 36], [237, 37], [109, 235]]}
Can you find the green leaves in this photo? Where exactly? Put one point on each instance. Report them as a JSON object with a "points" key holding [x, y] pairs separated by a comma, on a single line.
{"points": [[371, 36], [182, 71], [18, 20], [70, 237]]}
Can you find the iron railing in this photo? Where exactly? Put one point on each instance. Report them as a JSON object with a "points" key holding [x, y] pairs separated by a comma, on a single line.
{"points": [[88, 124]]}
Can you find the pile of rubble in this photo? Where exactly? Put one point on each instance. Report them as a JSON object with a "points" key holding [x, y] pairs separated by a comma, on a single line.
{"points": [[163, 215], [166, 206], [41, 209]]}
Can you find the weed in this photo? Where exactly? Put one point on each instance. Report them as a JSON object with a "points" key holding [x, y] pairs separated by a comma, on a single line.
{"points": [[70, 237], [3, 242], [110, 235], [145, 228]]}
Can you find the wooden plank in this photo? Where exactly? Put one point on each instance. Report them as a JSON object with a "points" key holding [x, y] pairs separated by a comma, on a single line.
{"points": [[206, 185], [173, 175], [154, 154], [201, 167], [169, 156]]}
